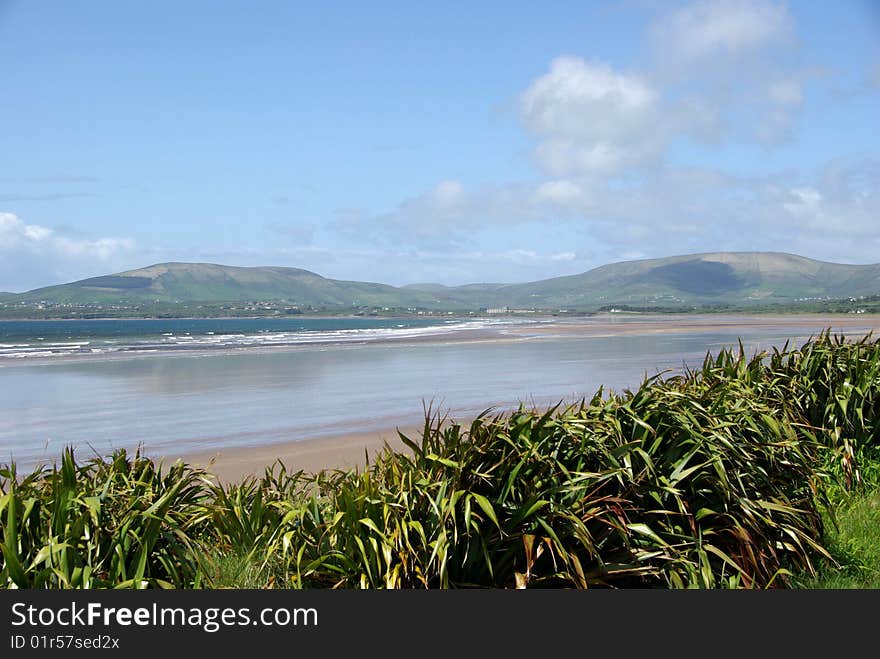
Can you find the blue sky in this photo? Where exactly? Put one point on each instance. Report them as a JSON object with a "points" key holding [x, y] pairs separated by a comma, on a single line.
{"points": [[456, 142]]}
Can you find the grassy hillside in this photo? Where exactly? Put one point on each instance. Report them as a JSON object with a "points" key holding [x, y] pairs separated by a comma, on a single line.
{"points": [[207, 282], [699, 279], [684, 282], [469, 296]]}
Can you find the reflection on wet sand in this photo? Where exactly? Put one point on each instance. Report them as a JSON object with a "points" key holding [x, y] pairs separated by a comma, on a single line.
{"points": [[180, 405]]}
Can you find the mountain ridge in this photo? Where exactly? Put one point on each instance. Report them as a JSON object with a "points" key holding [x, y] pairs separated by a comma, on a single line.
{"points": [[686, 281]]}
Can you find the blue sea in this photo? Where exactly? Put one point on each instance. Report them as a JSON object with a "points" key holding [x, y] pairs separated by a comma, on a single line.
{"points": [[178, 387], [53, 338]]}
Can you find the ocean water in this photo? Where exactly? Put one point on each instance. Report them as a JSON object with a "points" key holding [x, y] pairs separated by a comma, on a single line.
{"points": [[58, 338], [256, 382]]}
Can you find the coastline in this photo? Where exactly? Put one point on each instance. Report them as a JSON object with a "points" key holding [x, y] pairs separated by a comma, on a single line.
{"points": [[507, 329], [461, 315], [278, 317], [342, 446]]}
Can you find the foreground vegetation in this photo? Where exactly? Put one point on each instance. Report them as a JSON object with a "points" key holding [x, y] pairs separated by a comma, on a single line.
{"points": [[854, 541], [749, 472]]}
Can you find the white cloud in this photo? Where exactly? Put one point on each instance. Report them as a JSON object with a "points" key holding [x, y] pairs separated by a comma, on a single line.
{"points": [[591, 119], [802, 202], [776, 113], [441, 218], [448, 194], [559, 192], [16, 235], [573, 90], [843, 203], [786, 93], [831, 215], [101, 249], [732, 68], [29, 232], [711, 29], [30, 252], [720, 70]]}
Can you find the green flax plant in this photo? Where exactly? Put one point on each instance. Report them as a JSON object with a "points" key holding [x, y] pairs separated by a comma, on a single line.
{"points": [[834, 385], [682, 483], [121, 522]]}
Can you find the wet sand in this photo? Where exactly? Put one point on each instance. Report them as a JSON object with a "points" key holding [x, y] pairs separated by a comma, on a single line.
{"points": [[616, 324]]}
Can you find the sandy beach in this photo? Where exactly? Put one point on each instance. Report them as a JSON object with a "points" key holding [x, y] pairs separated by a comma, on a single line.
{"points": [[343, 451]]}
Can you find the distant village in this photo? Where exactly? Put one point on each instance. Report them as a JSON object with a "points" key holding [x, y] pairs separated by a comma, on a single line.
{"points": [[43, 309]]}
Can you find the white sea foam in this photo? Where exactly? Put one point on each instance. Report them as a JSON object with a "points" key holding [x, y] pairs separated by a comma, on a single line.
{"points": [[169, 341]]}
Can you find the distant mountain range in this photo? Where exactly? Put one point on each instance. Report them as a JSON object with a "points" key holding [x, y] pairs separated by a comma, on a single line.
{"points": [[695, 280]]}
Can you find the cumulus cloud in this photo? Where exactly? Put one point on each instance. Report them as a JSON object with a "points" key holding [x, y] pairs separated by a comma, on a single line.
{"points": [[590, 118], [30, 252], [719, 70]]}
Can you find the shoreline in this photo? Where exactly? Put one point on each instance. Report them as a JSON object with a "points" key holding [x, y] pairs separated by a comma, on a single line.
{"points": [[278, 317], [344, 450], [338, 446], [340, 450], [461, 315], [517, 328]]}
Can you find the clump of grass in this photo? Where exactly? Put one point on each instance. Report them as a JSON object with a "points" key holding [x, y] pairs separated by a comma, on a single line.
{"points": [[853, 539], [648, 489], [121, 522], [833, 385]]}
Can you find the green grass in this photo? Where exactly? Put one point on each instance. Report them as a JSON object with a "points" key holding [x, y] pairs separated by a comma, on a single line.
{"points": [[749, 472], [854, 542]]}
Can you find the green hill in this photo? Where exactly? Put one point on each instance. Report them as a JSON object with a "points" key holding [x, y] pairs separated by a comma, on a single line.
{"points": [[726, 278], [735, 278], [210, 283]]}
